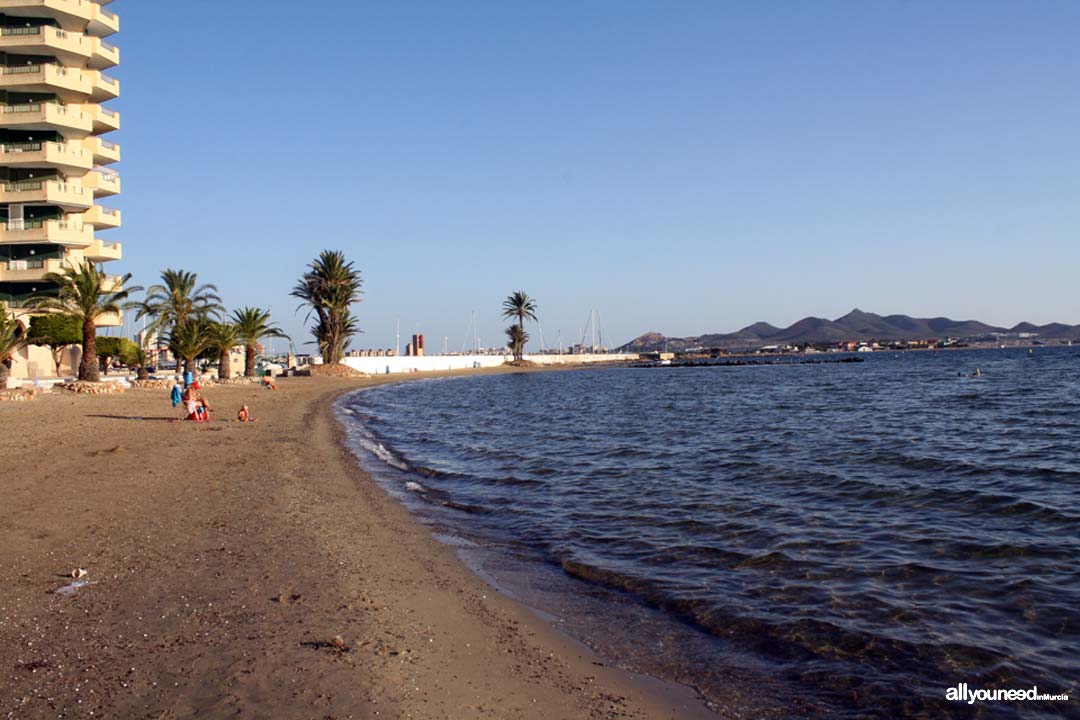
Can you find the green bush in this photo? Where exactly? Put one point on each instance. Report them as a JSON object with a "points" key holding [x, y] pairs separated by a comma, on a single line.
{"points": [[118, 348]]}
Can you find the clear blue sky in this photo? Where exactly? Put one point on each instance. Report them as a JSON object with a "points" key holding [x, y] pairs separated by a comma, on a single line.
{"points": [[680, 166]]}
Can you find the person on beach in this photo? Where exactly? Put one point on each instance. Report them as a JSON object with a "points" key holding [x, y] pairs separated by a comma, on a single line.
{"points": [[192, 407], [198, 409], [203, 407], [244, 416], [268, 383]]}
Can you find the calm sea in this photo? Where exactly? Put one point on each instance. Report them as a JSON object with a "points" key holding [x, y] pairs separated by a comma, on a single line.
{"points": [[833, 540]]}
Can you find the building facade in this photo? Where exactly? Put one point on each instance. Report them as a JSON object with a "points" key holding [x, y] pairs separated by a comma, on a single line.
{"points": [[54, 159]]}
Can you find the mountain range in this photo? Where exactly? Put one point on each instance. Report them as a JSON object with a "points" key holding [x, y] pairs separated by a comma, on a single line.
{"points": [[856, 325]]}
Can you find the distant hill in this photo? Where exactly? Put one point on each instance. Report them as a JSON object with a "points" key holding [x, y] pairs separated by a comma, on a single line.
{"points": [[856, 325]]}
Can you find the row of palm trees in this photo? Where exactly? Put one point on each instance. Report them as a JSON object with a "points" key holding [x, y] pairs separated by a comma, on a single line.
{"points": [[193, 320], [188, 316]]}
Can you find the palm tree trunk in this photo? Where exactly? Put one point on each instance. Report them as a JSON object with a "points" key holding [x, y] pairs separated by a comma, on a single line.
{"points": [[88, 366], [334, 340], [58, 356], [224, 365], [519, 347], [5, 371], [249, 360]]}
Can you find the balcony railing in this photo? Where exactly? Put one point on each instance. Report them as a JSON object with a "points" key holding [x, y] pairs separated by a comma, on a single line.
{"points": [[24, 186], [34, 107], [24, 108], [70, 152], [32, 185], [35, 264], [12, 31], [41, 69], [23, 147], [17, 225], [23, 69]]}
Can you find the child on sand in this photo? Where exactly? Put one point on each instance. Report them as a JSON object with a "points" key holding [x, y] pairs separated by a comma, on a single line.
{"points": [[244, 415]]}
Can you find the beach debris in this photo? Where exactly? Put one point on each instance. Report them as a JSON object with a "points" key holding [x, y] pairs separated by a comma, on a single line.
{"points": [[70, 589], [336, 644], [112, 450], [79, 573]]}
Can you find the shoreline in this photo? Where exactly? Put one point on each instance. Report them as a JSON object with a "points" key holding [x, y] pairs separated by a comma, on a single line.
{"points": [[225, 560]]}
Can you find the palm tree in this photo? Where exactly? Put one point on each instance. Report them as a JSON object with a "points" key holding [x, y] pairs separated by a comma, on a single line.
{"points": [[139, 356], [329, 288], [521, 307], [223, 338], [12, 338], [253, 324], [516, 338], [83, 294], [177, 300], [189, 340]]}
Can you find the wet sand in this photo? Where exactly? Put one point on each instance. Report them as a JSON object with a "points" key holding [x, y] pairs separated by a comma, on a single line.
{"points": [[225, 558]]}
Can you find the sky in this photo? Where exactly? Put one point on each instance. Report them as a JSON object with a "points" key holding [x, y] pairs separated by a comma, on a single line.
{"points": [[679, 166]]}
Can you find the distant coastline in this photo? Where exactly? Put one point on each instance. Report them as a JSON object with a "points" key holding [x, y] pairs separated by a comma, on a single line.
{"points": [[861, 329]]}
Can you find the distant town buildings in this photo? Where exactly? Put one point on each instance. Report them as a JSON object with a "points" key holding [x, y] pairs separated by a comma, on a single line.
{"points": [[416, 347], [388, 352]]}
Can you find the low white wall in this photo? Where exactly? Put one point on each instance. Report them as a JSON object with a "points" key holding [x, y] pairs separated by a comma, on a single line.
{"points": [[433, 363]]}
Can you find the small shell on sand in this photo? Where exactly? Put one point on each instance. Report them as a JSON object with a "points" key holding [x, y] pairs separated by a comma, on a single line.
{"points": [[79, 573]]}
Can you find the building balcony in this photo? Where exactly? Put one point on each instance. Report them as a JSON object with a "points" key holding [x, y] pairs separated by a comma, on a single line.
{"points": [[103, 55], [70, 14], [57, 232], [112, 283], [69, 158], [113, 320], [103, 22], [103, 252], [103, 151], [67, 195], [103, 87], [70, 84], [69, 121], [70, 48], [102, 218], [102, 119], [103, 182], [28, 270]]}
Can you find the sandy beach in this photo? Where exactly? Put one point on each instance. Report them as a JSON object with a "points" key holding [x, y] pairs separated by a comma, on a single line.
{"points": [[224, 559]]}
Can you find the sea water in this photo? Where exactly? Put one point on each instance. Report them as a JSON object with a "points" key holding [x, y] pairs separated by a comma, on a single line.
{"points": [[827, 540]]}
